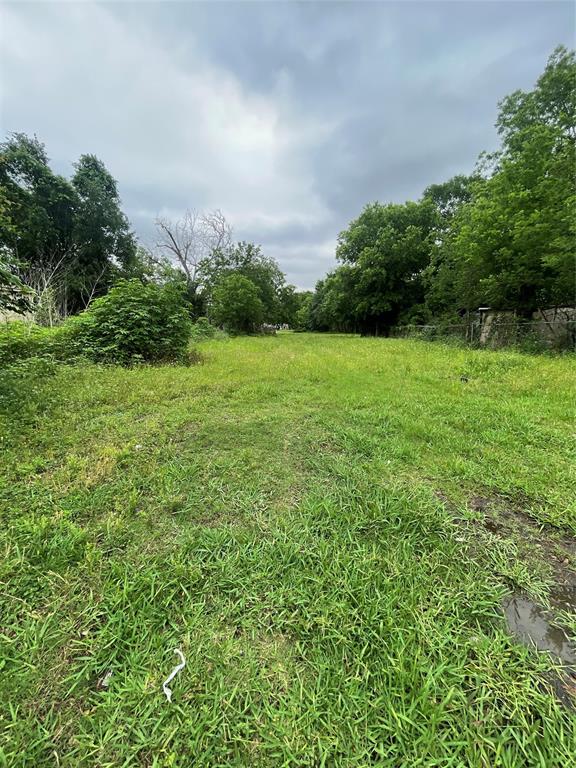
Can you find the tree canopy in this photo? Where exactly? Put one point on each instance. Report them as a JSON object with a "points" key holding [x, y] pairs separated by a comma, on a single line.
{"points": [[236, 304], [67, 240], [503, 237]]}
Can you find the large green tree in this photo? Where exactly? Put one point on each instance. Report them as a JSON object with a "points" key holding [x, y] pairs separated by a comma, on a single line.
{"points": [[388, 247], [441, 293], [14, 296], [333, 306], [512, 246], [105, 245], [66, 240], [236, 304], [40, 206], [245, 259]]}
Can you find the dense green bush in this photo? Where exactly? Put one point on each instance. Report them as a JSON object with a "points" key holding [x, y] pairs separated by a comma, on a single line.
{"points": [[203, 329], [28, 358], [134, 322], [21, 340]]}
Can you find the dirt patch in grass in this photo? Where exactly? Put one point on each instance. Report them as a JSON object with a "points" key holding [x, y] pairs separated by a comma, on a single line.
{"points": [[547, 543], [545, 548]]}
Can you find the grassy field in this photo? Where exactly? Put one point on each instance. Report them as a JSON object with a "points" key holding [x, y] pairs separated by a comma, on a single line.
{"points": [[303, 517]]}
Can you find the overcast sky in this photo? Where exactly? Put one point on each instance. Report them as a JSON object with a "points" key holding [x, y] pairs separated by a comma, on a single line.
{"points": [[289, 117]]}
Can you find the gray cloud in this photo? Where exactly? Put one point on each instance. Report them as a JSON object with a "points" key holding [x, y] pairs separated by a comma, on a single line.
{"points": [[287, 116]]}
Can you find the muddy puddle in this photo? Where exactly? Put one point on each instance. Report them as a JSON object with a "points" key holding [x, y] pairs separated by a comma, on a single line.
{"points": [[532, 625], [553, 552]]}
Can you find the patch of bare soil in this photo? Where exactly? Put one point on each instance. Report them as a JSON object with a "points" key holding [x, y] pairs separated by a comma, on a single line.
{"points": [[532, 624], [556, 549]]}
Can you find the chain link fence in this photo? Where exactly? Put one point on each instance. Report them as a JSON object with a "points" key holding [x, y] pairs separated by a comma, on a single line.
{"points": [[537, 335]]}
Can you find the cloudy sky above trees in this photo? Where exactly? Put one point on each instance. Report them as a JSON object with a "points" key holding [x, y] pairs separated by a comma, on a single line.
{"points": [[289, 117]]}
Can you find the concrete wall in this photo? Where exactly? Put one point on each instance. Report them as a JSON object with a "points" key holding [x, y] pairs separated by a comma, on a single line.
{"points": [[555, 327]]}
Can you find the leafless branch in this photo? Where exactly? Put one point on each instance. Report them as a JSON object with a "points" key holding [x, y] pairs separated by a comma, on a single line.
{"points": [[192, 238], [86, 295]]}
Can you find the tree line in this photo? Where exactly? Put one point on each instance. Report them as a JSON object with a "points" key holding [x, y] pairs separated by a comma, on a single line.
{"points": [[66, 242], [502, 237]]}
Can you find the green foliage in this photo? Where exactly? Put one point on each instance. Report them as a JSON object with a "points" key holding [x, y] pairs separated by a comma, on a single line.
{"points": [[19, 340], [288, 305], [41, 209], [102, 234], [134, 322], [302, 320], [68, 239], [24, 387], [512, 246], [333, 306], [450, 195], [384, 252], [503, 237], [22, 340], [552, 103], [236, 305], [202, 330], [14, 295], [247, 260]]}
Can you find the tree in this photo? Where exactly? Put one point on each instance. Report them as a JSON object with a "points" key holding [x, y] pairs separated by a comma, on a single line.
{"points": [[448, 196], [236, 305], [105, 246], [439, 276], [552, 103], [193, 238], [388, 247], [288, 304], [248, 260], [302, 320], [67, 240], [39, 210], [294, 307], [512, 246], [333, 307], [14, 295]]}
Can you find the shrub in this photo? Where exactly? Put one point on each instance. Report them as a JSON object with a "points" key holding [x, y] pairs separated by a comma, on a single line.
{"points": [[133, 323], [22, 341], [203, 330]]}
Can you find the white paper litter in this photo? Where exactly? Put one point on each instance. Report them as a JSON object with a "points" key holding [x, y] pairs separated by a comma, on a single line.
{"points": [[172, 675]]}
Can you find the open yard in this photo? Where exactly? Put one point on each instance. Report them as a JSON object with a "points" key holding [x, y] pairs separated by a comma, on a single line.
{"points": [[325, 526]]}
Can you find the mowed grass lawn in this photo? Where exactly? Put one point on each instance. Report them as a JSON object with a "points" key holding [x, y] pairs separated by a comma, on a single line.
{"points": [[288, 513]]}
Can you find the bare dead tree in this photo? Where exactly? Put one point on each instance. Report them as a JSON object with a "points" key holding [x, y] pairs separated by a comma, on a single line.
{"points": [[192, 238], [48, 282], [217, 231]]}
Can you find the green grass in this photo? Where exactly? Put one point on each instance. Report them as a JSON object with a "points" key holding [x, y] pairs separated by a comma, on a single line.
{"points": [[285, 513]]}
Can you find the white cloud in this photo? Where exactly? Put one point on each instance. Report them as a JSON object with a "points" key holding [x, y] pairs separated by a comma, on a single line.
{"points": [[287, 116], [196, 133]]}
